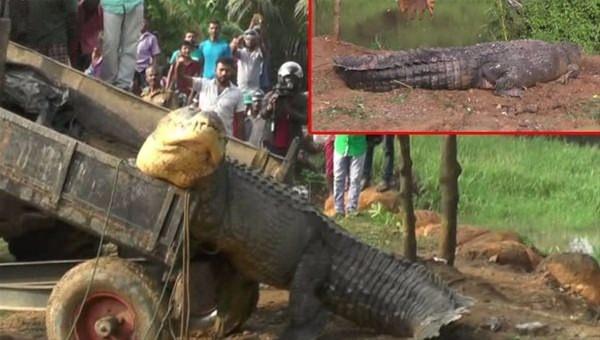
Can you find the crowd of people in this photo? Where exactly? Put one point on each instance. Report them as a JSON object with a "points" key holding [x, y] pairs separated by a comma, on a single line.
{"points": [[113, 40]]}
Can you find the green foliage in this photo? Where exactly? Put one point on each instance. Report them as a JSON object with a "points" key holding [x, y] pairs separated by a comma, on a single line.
{"points": [[380, 25], [172, 18], [383, 217], [574, 20]]}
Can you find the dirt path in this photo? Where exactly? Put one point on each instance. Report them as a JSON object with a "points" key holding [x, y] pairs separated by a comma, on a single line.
{"points": [[550, 106], [510, 296]]}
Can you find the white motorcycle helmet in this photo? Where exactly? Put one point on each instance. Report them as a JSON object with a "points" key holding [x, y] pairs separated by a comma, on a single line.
{"points": [[289, 77], [290, 68]]}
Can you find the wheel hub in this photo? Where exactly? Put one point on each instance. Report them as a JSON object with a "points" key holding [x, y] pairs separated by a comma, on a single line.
{"points": [[106, 316], [106, 326]]}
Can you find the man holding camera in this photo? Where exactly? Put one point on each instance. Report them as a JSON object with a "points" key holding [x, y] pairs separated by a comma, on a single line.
{"points": [[285, 109]]}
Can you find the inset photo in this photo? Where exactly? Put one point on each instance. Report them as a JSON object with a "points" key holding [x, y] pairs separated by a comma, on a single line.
{"points": [[455, 66]]}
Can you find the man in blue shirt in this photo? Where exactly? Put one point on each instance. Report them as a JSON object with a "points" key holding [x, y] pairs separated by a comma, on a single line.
{"points": [[213, 49]]}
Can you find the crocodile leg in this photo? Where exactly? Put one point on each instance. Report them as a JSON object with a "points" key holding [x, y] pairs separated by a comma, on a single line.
{"points": [[308, 316], [572, 73], [501, 77]]}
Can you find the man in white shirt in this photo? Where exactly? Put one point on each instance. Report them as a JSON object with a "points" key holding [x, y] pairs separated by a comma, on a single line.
{"points": [[220, 95], [246, 49]]}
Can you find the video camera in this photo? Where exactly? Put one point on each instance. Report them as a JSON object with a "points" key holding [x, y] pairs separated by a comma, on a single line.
{"points": [[283, 89]]}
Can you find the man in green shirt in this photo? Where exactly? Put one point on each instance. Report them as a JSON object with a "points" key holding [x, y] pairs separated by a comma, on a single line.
{"points": [[348, 160], [123, 23]]}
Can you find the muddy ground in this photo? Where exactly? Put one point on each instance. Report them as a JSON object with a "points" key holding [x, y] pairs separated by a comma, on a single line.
{"points": [[505, 296], [549, 106]]}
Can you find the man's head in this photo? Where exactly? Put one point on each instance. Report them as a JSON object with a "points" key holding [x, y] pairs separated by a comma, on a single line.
{"points": [[251, 39], [190, 37], [90, 5], [185, 49], [257, 99], [146, 26], [224, 72], [152, 76], [214, 28]]}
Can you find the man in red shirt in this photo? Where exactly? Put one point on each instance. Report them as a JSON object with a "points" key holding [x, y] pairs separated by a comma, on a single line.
{"points": [[90, 22], [191, 68], [285, 109]]}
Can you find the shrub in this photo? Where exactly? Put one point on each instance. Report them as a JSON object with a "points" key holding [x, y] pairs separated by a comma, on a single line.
{"points": [[572, 20]]}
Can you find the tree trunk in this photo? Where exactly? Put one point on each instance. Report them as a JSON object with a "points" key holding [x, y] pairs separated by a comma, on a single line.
{"points": [[312, 17], [4, 36], [337, 10], [406, 198], [449, 172]]}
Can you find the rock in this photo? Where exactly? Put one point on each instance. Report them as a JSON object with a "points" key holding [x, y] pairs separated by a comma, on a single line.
{"points": [[578, 273], [581, 245], [494, 324], [532, 328], [389, 200], [503, 248], [426, 217]]}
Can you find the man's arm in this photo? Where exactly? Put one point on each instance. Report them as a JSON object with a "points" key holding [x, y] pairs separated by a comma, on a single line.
{"points": [[296, 107], [234, 46], [268, 105], [239, 117], [155, 51]]}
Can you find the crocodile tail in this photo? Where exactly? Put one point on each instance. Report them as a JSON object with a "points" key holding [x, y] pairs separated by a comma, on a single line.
{"points": [[390, 294], [430, 69], [430, 328]]}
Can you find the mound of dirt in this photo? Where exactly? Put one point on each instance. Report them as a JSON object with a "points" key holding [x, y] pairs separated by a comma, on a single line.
{"points": [[548, 106], [576, 272], [502, 247]]}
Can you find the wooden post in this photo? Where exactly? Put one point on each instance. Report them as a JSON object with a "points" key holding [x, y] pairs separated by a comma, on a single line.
{"points": [[406, 197], [337, 10], [449, 172], [4, 36], [312, 10]]}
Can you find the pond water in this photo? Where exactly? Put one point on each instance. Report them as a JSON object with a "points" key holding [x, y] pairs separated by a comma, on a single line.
{"points": [[380, 25]]}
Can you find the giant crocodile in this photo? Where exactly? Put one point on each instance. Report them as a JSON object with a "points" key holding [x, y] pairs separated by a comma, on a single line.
{"points": [[273, 236], [507, 67]]}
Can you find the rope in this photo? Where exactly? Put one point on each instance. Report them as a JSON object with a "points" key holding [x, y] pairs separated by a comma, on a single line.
{"points": [[99, 251], [185, 317], [162, 295]]}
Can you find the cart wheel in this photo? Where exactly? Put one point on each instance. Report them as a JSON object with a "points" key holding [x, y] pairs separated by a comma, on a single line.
{"points": [[119, 306]]}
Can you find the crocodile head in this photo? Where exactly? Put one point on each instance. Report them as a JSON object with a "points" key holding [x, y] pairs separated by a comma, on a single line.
{"points": [[186, 146], [573, 52]]}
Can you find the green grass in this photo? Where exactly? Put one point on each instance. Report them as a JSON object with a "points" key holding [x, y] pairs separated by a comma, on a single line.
{"points": [[378, 24], [543, 188]]}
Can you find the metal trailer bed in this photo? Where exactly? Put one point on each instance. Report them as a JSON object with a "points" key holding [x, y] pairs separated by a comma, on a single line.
{"points": [[74, 181]]}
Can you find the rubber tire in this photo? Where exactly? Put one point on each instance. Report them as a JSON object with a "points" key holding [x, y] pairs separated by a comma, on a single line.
{"points": [[128, 280], [237, 299]]}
